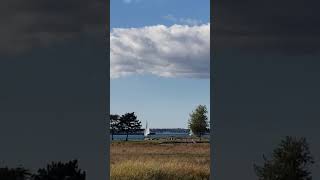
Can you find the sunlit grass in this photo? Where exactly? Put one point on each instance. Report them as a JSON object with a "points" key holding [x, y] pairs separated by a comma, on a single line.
{"points": [[151, 160]]}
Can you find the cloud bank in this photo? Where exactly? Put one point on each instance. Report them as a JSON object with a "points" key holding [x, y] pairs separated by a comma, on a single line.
{"points": [[175, 51]]}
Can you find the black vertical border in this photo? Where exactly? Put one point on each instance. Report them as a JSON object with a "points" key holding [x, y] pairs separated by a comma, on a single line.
{"points": [[107, 98], [107, 117], [212, 94]]}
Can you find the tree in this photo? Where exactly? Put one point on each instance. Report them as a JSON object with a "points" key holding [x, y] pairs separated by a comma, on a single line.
{"points": [[114, 123], [129, 123], [61, 171], [14, 173], [198, 122], [292, 160]]}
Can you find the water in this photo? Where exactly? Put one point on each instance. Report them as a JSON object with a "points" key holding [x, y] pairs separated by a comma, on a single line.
{"points": [[130, 137], [155, 136]]}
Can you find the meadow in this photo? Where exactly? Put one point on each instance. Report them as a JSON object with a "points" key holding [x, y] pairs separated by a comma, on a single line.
{"points": [[155, 160]]}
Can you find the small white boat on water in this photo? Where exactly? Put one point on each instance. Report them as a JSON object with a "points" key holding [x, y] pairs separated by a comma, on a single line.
{"points": [[146, 130]]}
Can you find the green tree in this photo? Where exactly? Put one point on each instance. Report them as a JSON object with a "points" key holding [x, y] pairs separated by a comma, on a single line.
{"points": [[114, 124], [14, 173], [61, 171], [292, 160], [198, 122], [129, 123]]}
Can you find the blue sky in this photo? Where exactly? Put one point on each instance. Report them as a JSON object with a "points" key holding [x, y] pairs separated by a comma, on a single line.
{"points": [[161, 78], [150, 12]]}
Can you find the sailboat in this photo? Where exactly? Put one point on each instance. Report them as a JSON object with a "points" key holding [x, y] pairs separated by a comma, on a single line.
{"points": [[147, 130]]}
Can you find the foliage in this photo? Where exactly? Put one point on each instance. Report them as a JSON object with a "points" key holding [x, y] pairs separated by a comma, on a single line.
{"points": [[114, 123], [14, 173], [53, 171], [61, 171], [290, 161], [129, 123], [198, 122]]}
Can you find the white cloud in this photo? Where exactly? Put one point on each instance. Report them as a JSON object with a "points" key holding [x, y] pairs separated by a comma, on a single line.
{"points": [[188, 21], [175, 51]]}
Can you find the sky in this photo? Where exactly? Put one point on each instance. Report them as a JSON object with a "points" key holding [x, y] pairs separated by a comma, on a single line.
{"points": [[160, 67]]}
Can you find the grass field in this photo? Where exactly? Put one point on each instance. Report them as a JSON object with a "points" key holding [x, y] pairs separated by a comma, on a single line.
{"points": [[152, 160]]}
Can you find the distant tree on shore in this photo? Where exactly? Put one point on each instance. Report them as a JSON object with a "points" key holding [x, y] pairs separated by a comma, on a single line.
{"points": [[292, 160], [198, 122], [129, 123], [114, 124]]}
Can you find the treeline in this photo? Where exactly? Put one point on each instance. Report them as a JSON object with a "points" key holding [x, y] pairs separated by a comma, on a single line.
{"points": [[53, 171], [126, 123]]}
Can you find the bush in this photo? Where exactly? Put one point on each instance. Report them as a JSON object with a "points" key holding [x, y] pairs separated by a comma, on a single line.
{"points": [[53, 171], [292, 160], [61, 171], [14, 173]]}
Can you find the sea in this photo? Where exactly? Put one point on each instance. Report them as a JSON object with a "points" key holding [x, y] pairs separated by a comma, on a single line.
{"points": [[139, 137]]}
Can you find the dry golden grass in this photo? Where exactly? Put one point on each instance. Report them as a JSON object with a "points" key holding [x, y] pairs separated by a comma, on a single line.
{"points": [[155, 161]]}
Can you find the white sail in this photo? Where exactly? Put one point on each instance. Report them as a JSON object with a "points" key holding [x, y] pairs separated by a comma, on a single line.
{"points": [[146, 131]]}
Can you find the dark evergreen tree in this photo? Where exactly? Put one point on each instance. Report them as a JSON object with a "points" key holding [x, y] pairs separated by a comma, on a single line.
{"points": [[14, 173], [61, 171], [114, 124], [129, 123], [292, 160]]}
